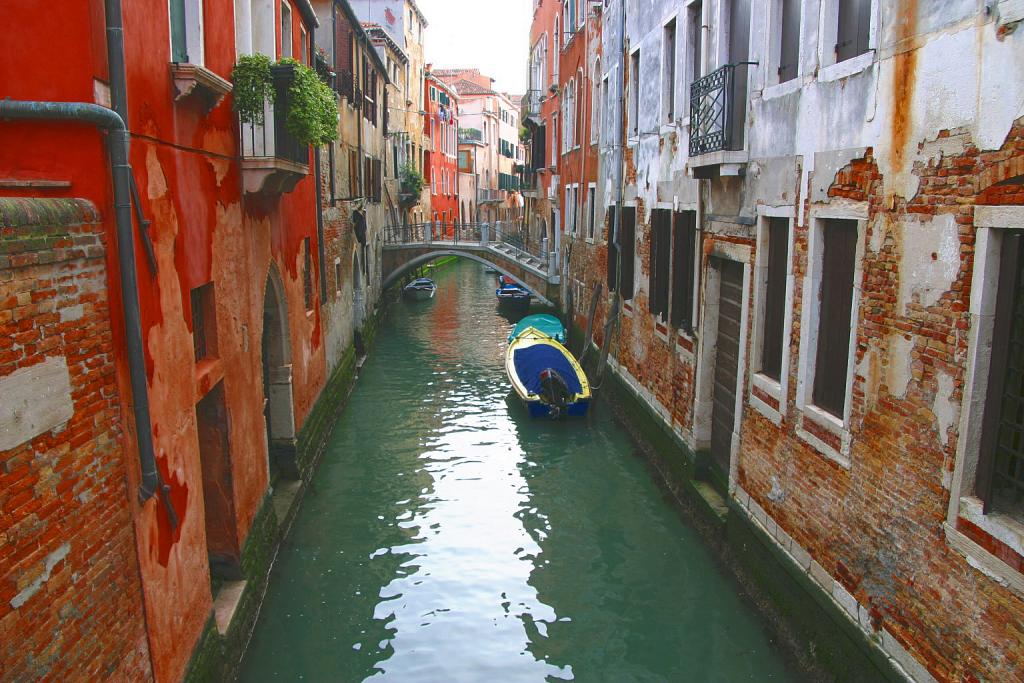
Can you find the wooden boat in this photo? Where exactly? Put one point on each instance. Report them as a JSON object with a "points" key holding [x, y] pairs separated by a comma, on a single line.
{"points": [[421, 288], [548, 324], [546, 376], [511, 292]]}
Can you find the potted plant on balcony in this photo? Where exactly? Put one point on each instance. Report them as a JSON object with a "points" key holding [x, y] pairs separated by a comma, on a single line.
{"points": [[411, 185], [253, 86]]}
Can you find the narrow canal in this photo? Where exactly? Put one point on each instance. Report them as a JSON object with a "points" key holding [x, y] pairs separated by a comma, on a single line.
{"points": [[448, 537]]}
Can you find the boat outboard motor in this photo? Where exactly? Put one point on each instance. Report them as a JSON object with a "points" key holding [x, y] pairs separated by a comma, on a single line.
{"points": [[554, 391]]}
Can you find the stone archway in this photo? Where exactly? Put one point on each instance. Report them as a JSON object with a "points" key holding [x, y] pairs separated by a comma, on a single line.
{"points": [[278, 404]]}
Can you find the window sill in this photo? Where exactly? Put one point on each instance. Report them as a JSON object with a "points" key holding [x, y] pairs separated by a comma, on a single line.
{"points": [[983, 560], [685, 344], [668, 128], [769, 389], [832, 426], [195, 79], [1003, 528], [661, 330], [847, 67], [781, 89]]}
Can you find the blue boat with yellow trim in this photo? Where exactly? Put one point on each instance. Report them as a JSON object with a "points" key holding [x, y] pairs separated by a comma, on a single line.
{"points": [[546, 376]]}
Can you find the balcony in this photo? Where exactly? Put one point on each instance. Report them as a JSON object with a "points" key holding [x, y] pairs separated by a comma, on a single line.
{"points": [[471, 135], [273, 161], [716, 124], [486, 195], [531, 105]]}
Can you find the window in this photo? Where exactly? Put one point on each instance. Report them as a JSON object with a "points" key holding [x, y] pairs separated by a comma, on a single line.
{"points": [[337, 277], [354, 188], [607, 110], [307, 274], [554, 146], [286, 30], [660, 258], [694, 31], [839, 248], [596, 98], [669, 71], [634, 93], [558, 46], [852, 29], [187, 45], [684, 256], [591, 210], [789, 39], [1000, 477], [303, 46], [774, 289], [613, 251], [204, 322], [627, 246]]}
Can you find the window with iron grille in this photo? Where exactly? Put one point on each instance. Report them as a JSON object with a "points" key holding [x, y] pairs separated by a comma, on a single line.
{"points": [[204, 317], [1000, 478], [307, 274], [660, 260]]}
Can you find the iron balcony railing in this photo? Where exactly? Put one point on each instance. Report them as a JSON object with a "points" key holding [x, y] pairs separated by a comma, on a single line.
{"points": [[471, 135], [711, 118], [271, 138], [488, 195], [531, 103], [345, 85]]}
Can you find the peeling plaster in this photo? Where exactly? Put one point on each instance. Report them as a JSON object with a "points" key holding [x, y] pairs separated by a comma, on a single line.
{"points": [[900, 363], [930, 260], [947, 411], [49, 563]]}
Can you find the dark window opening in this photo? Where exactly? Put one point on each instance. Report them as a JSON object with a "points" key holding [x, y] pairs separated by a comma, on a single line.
{"points": [[684, 248], [627, 251], [634, 90], [1001, 462], [613, 252], [775, 298], [660, 259], [789, 52], [204, 322], [853, 29], [218, 497], [337, 276], [834, 320], [307, 274], [670, 71]]}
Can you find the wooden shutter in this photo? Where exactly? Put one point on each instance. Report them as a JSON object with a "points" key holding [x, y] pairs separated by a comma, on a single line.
{"points": [[789, 53], [775, 298], [684, 240], [179, 43], [660, 258], [853, 29], [613, 254], [353, 174], [834, 320], [627, 249]]}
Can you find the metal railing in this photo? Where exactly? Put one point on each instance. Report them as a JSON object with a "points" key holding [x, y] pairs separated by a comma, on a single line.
{"points": [[711, 111], [511, 238], [531, 103], [271, 138], [439, 231], [488, 195]]}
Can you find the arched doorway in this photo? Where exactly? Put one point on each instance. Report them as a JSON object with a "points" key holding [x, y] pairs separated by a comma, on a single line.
{"points": [[278, 407]]}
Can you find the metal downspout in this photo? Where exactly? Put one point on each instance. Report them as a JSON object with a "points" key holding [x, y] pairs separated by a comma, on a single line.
{"points": [[117, 148]]}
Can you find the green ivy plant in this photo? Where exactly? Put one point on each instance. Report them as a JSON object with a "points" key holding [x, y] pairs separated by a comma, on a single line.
{"points": [[312, 115], [313, 110], [253, 85], [412, 180]]}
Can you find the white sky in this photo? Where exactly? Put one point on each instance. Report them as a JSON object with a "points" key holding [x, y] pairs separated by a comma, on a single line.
{"points": [[490, 35]]}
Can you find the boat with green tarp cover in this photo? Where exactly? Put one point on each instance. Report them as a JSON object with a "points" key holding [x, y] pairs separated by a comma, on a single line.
{"points": [[548, 324]]}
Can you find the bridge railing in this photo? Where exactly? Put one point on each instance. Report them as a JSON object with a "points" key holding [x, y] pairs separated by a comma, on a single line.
{"points": [[440, 231]]}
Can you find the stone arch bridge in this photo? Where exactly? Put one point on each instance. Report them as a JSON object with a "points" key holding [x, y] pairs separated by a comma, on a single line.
{"points": [[496, 245]]}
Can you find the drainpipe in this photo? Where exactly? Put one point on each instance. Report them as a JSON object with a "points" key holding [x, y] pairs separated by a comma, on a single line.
{"points": [[117, 148]]}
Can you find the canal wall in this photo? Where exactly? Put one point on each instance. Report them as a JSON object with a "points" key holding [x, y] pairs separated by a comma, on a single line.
{"points": [[219, 650], [815, 630]]}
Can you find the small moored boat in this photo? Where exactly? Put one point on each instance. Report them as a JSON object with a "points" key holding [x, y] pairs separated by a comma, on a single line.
{"points": [[548, 324], [511, 292], [421, 288], [546, 376]]}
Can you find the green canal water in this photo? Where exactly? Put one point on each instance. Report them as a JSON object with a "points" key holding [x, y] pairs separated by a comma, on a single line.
{"points": [[448, 537]]}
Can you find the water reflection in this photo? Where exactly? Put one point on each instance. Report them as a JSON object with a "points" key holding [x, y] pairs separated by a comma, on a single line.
{"points": [[447, 537]]}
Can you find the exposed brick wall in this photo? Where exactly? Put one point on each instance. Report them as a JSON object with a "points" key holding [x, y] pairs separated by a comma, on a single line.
{"points": [[877, 527], [70, 600]]}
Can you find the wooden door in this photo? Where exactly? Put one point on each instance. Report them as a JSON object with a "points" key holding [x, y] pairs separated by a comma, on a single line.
{"points": [[723, 411]]}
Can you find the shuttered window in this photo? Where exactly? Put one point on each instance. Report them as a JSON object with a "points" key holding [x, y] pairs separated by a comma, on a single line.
{"points": [[837, 269], [853, 30], [627, 251], [660, 258], [1001, 464], [353, 174], [613, 253], [307, 274], [684, 241], [179, 47], [789, 52], [775, 298]]}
